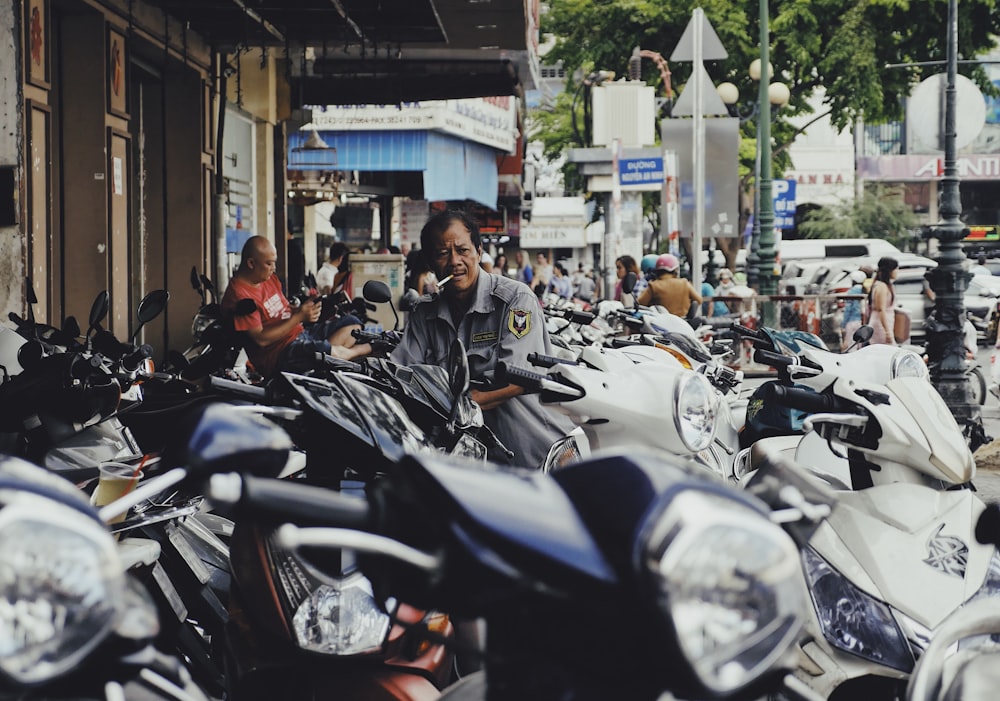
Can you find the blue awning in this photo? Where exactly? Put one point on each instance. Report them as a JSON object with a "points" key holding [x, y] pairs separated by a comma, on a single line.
{"points": [[453, 169]]}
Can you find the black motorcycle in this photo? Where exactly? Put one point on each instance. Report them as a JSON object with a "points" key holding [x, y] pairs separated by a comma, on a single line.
{"points": [[620, 577]]}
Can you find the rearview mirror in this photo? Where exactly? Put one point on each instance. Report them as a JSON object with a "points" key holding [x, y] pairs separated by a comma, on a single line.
{"points": [[628, 282], [98, 310], [152, 305], [376, 291]]}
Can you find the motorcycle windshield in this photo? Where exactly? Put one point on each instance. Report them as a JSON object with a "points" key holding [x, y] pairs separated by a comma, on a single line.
{"points": [[790, 342], [365, 412], [433, 379], [522, 515]]}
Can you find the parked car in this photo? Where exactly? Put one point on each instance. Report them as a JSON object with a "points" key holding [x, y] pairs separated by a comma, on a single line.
{"points": [[832, 276], [981, 303]]}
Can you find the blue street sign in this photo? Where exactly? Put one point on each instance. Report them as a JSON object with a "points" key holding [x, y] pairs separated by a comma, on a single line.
{"points": [[784, 203], [632, 171]]}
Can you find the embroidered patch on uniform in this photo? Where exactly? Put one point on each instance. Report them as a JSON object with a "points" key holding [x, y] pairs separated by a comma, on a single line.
{"points": [[485, 336], [519, 322]]}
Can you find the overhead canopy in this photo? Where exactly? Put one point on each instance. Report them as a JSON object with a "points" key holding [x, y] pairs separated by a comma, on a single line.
{"points": [[452, 168], [390, 51]]}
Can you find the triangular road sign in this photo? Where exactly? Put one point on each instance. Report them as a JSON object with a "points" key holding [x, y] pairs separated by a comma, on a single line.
{"points": [[711, 46], [712, 104]]}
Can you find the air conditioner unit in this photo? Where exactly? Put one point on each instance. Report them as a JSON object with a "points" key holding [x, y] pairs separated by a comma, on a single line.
{"points": [[625, 110]]}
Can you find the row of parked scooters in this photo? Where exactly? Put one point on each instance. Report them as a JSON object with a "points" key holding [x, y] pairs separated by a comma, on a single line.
{"points": [[340, 532]]}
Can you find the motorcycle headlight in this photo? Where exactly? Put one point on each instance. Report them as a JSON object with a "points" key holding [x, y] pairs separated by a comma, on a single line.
{"points": [[695, 408], [329, 615], [908, 364], [563, 452], [199, 324], [730, 582], [60, 579], [468, 413], [852, 620], [469, 447]]}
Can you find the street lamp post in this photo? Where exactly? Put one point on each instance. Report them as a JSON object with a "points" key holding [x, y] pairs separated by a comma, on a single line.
{"points": [[949, 280], [778, 95], [766, 251]]}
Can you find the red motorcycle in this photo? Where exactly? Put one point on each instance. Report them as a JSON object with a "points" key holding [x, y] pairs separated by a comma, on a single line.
{"points": [[308, 627]]}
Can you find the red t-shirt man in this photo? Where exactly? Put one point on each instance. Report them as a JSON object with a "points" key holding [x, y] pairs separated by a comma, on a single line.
{"points": [[274, 325], [272, 309]]}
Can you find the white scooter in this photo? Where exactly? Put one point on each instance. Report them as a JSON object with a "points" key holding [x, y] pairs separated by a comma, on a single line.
{"points": [[632, 396], [962, 663], [898, 554]]}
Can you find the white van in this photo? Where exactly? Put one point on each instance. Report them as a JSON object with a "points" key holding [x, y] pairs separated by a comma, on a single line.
{"points": [[824, 249], [806, 263]]}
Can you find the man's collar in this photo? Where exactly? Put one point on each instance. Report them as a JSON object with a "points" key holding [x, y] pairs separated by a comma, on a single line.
{"points": [[482, 297]]}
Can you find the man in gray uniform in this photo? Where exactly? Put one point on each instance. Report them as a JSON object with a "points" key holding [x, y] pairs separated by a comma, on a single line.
{"points": [[498, 319]]}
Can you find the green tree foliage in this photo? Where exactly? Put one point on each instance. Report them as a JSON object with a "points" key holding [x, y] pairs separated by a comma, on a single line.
{"points": [[848, 47], [879, 213], [845, 46]]}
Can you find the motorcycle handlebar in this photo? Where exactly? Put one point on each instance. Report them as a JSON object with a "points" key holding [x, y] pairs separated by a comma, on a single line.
{"points": [[131, 361], [251, 392], [331, 363], [773, 359], [803, 399], [579, 317], [511, 374], [778, 360], [745, 331], [547, 361], [289, 502]]}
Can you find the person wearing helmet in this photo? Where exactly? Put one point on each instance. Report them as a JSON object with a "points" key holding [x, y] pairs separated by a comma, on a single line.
{"points": [[647, 265], [667, 289]]}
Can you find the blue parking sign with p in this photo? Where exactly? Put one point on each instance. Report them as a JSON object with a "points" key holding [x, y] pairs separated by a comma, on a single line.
{"points": [[783, 194]]}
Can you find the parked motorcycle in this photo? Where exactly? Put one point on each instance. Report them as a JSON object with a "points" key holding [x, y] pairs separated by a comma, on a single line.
{"points": [[905, 515], [620, 577], [294, 632], [636, 395], [60, 411], [76, 626]]}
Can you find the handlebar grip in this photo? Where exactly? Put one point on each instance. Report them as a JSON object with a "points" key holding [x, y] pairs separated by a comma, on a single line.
{"points": [[744, 330], [803, 399], [547, 361], [132, 360], [579, 317], [293, 502], [331, 363], [252, 392], [513, 375], [773, 359], [618, 342]]}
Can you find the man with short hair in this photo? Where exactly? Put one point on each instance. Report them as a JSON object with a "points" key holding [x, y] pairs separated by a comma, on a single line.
{"points": [[274, 328], [498, 320], [326, 276]]}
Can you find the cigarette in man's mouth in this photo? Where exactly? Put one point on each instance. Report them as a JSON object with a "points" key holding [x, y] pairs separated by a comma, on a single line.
{"points": [[444, 281]]}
